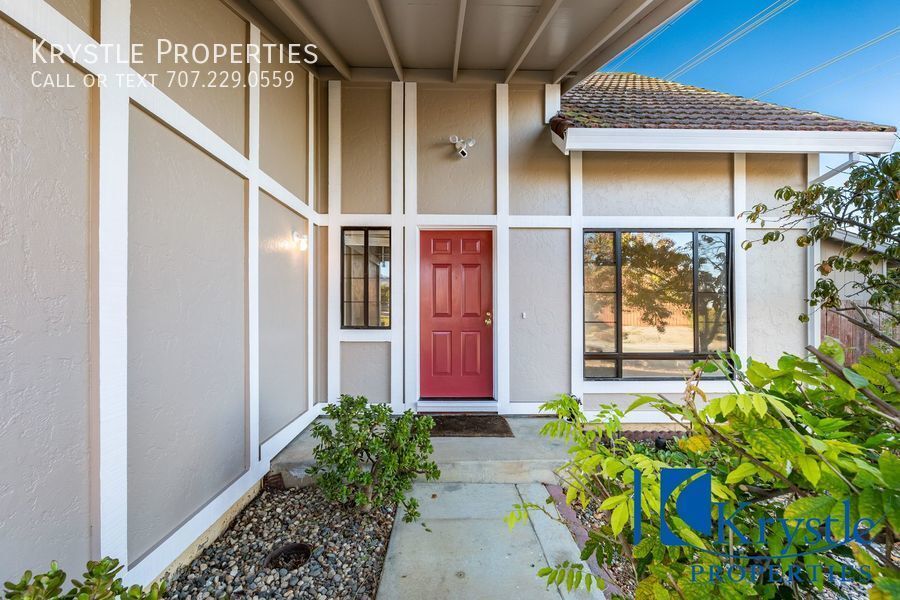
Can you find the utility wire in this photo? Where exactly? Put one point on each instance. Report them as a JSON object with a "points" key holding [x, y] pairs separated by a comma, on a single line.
{"points": [[828, 63], [760, 18], [853, 75], [631, 52]]}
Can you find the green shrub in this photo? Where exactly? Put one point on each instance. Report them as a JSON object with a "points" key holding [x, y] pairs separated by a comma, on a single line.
{"points": [[795, 440], [370, 458], [100, 583]]}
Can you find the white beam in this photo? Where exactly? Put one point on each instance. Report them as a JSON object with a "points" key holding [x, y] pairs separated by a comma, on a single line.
{"points": [[460, 22], [385, 31], [552, 101], [612, 25], [534, 31], [637, 31], [311, 31]]}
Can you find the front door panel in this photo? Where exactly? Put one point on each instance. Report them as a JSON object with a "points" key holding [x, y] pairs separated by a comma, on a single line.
{"points": [[456, 324]]}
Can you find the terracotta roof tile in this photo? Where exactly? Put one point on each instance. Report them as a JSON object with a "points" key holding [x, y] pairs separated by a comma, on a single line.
{"points": [[631, 101]]}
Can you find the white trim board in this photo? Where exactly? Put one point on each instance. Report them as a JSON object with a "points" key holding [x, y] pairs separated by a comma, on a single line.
{"points": [[722, 140]]}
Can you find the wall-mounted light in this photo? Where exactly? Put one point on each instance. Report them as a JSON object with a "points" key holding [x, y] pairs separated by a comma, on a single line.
{"points": [[462, 146], [301, 241]]}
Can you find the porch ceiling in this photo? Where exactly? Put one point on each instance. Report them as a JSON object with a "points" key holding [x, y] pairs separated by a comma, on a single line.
{"points": [[548, 41]]}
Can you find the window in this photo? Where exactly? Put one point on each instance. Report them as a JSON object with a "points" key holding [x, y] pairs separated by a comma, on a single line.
{"points": [[655, 302], [366, 278]]}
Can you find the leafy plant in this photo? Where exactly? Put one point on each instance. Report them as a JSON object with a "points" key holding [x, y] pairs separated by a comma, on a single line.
{"points": [[794, 441], [867, 206], [100, 583], [370, 458]]}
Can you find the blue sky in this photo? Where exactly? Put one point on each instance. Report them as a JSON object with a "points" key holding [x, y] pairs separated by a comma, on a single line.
{"points": [[803, 35]]}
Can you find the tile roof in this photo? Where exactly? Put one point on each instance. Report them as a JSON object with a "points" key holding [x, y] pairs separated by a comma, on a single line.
{"points": [[628, 100]]}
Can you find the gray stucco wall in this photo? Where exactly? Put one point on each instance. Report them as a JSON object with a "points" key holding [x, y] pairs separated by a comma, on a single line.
{"points": [[366, 370], [366, 148], [222, 109], [283, 127], [44, 316], [539, 287], [321, 315], [538, 171], [766, 173], [657, 184], [283, 301], [77, 11], [187, 437], [448, 184], [776, 284]]}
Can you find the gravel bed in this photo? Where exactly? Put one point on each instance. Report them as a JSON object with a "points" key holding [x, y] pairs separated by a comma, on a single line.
{"points": [[619, 567], [348, 550]]}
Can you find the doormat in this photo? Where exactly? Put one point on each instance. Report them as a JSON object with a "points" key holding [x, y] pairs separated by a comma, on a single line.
{"points": [[470, 426]]}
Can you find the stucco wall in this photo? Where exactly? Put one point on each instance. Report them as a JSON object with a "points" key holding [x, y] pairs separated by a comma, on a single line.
{"points": [[44, 316], [222, 109], [539, 350], [283, 127], [766, 173], [186, 331], [366, 148], [538, 171], [366, 370], [77, 11], [321, 315], [446, 183], [657, 184], [321, 146], [776, 284], [283, 297]]}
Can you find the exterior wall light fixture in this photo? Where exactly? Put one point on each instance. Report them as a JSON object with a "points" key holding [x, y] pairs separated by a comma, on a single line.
{"points": [[462, 146], [301, 241]]}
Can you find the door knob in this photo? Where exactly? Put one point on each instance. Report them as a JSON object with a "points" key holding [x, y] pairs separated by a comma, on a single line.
{"points": [[487, 319]]}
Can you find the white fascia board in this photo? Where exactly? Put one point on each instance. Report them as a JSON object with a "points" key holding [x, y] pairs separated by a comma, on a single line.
{"points": [[724, 140]]}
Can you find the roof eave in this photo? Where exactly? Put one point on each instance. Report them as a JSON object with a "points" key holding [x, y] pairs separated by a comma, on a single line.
{"points": [[585, 139]]}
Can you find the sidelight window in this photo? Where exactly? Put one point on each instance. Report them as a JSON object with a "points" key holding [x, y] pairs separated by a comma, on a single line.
{"points": [[655, 302], [365, 278]]}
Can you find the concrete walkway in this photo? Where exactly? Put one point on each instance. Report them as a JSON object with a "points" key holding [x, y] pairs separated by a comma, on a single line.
{"points": [[469, 551]]}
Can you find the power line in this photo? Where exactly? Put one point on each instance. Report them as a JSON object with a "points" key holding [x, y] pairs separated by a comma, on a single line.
{"points": [[828, 63], [631, 52], [853, 75], [757, 20]]}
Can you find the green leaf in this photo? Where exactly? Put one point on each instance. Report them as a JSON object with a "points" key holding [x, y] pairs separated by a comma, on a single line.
{"points": [[809, 466], [773, 443], [871, 507], [619, 518], [727, 404], [613, 501], [809, 507], [889, 465], [759, 403], [742, 471], [855, 379]]}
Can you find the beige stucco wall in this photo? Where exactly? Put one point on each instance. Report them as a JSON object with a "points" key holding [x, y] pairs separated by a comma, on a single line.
{"points": [[222, 109], [283, 298], [321, 146], [186, 331], [767, 173], [366, 148], [284, 127], [44, 316], [776, 288], [539, 341], [657, 184], [446, 183], [538, 171], [77, 11], [366, 370]]}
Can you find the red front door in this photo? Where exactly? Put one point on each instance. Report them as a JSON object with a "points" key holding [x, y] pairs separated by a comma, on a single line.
{"points": [[456, 328]]}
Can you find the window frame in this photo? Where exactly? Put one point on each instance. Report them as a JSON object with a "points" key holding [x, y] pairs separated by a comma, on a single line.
{"points": [[619, 356], [365, 230]]}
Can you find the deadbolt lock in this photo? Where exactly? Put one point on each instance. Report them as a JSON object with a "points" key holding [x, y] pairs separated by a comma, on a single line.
{"points": [[487, 319]]}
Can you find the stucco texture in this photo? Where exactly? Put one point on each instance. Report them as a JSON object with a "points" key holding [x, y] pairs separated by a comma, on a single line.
{"points": [[283, 301], [44, 316], [539, 319], [448, 184], [538, 171], [657, 184], [222, 109], [187, 437], [366, 148], [776, 284], [366, 370], [284, 126], [79, 12], [321, 314], [766, 173]]}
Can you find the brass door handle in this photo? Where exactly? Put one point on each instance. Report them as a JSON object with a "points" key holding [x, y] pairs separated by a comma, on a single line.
{"points": [[487, 319]]}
